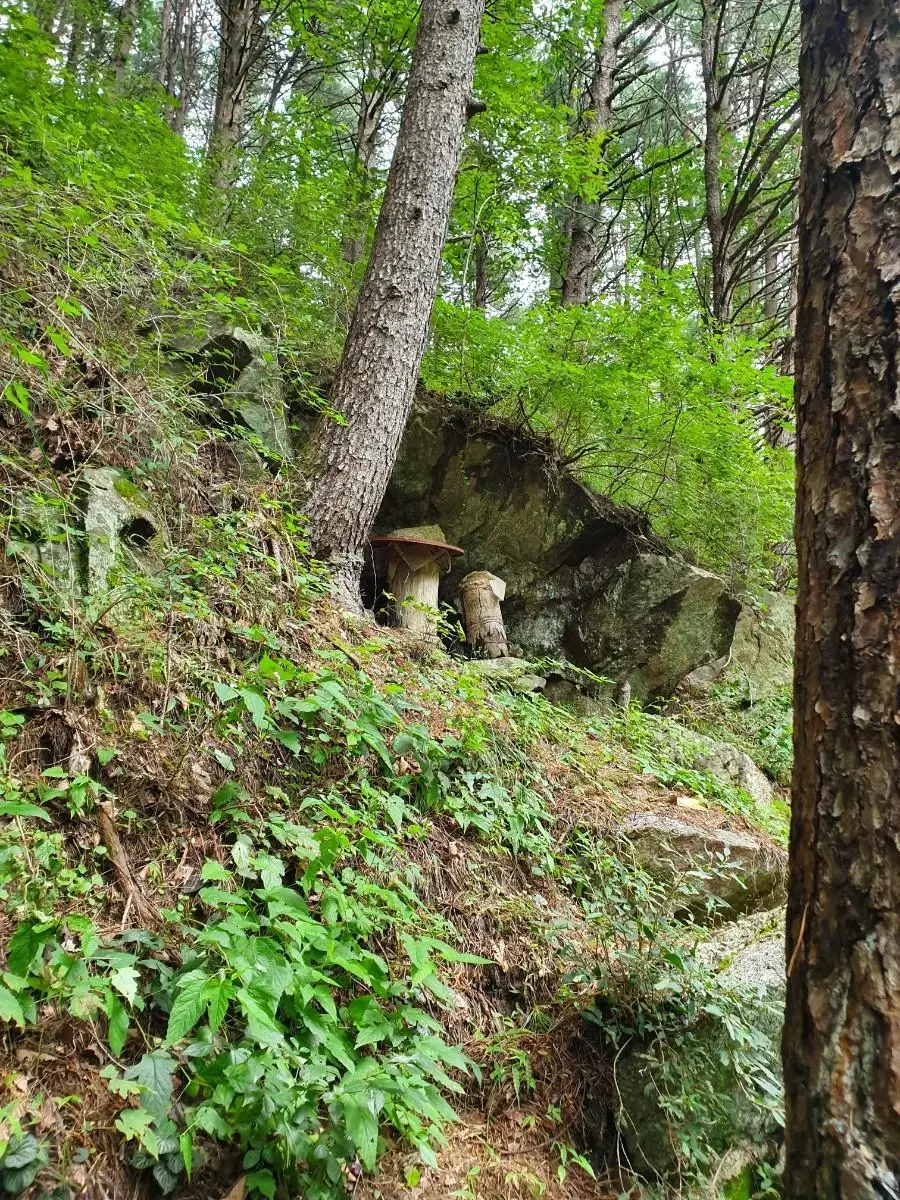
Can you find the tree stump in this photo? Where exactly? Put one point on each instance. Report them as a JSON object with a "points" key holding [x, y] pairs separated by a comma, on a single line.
{"points": [[481, 593]]}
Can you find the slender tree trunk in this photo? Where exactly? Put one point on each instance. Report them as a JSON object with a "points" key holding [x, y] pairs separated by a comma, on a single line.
{"points": [[185, 57], [129, 15], [45, 13], [236, 37], [76, 37], [480, 293], [365, 144], [375, 382], [578, 273], [842, 1032], [714, 95], [166, 40]]}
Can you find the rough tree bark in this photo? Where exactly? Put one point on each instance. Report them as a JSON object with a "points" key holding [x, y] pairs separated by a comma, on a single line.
{"points": [[187, 39], [581, 258], [373, 390], [842, 1034], [76, 38]]}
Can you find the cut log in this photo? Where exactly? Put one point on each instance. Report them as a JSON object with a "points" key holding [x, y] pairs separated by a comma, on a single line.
{"points": [[481, 593]]}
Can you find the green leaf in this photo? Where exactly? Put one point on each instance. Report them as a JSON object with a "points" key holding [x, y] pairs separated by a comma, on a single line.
{"points": [[290, 739], [10, 1008], [29, 938], [223, 759], [136, 1125], [190, 1002], [153, 1073], [211, 870], [125, 980], [362, 1126], [186, 1146], [219, 993], [117, 1023], [219, 898], [261, 1181], [58, 339], [225, 692], [21, 808], [256, 706], [261, 1024]]}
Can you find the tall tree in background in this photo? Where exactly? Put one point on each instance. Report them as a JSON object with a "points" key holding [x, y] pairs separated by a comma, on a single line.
{"points": [[129, 16], [594, 124], [751, 119], [842, 1035], [376, 379], [239, 43]]}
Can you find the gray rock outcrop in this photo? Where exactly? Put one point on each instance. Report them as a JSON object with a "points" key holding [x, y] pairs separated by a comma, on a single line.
{"points": [[724, 874], [117, 519], [77, 545], [760, 662], [725, 762]]}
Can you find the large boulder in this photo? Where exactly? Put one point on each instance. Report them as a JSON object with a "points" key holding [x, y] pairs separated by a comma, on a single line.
{"points": [[40, 534], [725, 874], [76, 547], [586, 579], [719, 759], [747, 959], [653, 621], [725, 762]]}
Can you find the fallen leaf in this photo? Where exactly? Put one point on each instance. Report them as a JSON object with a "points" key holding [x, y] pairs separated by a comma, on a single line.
{"points": [[236, 1191]]}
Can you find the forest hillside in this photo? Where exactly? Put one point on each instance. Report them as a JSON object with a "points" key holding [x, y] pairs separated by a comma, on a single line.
{"points": [[295, 901]]}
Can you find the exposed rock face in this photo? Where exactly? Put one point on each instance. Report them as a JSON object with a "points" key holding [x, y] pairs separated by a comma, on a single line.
{"points": [[586, 579], [763, 649], [116, 518], [243, 375], [652, 622], [719, 759], [513, 673], [40, 534], [750, 957], [112, 518], [740, 874], [761, 659], [726, 762]]}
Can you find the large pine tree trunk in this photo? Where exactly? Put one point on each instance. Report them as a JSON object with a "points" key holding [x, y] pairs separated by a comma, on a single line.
{"points": [[842, 1034], [375, 382], [581, 259]]}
